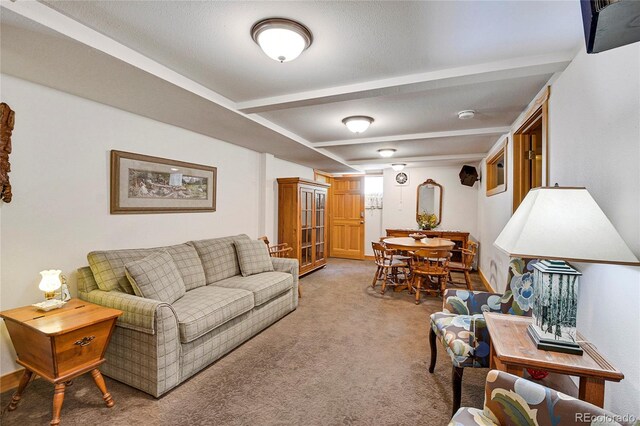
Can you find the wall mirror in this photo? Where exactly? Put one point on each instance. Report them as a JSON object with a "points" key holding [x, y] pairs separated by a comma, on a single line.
{"points": [[429, 199]]}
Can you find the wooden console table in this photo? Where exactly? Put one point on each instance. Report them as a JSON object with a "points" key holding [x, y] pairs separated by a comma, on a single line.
{"points": [[60, 345], [459, 238], [512, 350]]}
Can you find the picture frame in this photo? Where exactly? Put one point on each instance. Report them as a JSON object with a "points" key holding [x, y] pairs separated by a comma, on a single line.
{"points": [[142, 184]]}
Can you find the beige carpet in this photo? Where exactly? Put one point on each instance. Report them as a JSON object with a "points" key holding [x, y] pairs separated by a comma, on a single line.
{"points": [[346, 356]]}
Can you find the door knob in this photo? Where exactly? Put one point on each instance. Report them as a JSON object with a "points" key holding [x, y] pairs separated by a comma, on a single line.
{"points": [[362, 222]]}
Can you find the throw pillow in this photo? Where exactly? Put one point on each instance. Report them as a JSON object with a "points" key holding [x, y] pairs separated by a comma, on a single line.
{"points": [[156, 277], [253, 257]]}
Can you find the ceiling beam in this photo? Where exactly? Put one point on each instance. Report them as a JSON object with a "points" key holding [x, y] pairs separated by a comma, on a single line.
{"points": [[473, 74], [415, 136], [456, 157]]}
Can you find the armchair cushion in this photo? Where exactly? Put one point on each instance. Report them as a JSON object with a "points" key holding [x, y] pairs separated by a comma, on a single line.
{"points": [[253, 257], [156, 277], [470, 416], [518, 295], [465, 337]]}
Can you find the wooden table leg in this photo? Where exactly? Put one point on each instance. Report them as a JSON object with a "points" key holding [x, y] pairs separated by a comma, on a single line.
{"points": [[97, 377], [591, 390], [24, 381], [492, 361], [58, 398]]}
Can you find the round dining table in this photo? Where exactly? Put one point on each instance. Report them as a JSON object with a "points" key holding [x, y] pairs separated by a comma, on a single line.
{"points": [[409, 244]]}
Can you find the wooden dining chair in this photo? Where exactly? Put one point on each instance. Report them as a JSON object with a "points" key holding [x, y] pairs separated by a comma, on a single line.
{"points": [[427, 265], [388, 267], [277, 250], [280, 250], [465, 266]]}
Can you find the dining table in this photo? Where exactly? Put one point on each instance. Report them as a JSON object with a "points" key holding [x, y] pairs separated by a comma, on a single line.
{"points": [[411, 244]]}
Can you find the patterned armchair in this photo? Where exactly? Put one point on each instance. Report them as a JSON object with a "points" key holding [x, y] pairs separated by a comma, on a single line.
{"points": [[461, 326], [511, 400]]}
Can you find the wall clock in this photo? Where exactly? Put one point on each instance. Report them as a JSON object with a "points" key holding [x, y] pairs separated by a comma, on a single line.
{"points": [[402, 179]]}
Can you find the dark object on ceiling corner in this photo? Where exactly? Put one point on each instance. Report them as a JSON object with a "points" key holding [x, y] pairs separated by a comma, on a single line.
{"points": [[610, 23], [468, 175]]}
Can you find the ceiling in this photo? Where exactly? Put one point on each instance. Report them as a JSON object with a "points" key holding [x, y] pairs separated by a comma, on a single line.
{"points": [[410, 65]]}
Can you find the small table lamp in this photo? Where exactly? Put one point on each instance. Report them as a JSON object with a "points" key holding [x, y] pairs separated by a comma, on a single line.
{"points": [[559, 224], [50, 283]]}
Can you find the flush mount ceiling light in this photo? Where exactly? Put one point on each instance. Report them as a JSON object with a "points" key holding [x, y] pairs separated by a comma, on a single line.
{"points": [[398, 167], [281, 39], [357, 123], [386, 152], [466, 114]]}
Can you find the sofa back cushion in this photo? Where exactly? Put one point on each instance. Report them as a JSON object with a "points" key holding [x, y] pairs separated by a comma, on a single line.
{"points": [[108, 266], [156, 277], [218, 256], [253, 257]]}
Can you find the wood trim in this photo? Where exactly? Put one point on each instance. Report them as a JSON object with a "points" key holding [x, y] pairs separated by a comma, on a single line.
{"points": [[11, 380], [369, 257], [492, 175], [296, 180], [485, 282]]}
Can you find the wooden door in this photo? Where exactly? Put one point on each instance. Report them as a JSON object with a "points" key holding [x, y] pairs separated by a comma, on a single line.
{"points": [[347, 217], [306, 229]]}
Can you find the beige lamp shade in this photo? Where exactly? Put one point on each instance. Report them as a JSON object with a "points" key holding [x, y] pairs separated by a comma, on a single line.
{"points": [[50, 280], [565, 224]]}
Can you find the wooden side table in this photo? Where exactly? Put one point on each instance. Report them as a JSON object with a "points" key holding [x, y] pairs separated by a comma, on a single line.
{"points": [[512, 350], [60, 345]]}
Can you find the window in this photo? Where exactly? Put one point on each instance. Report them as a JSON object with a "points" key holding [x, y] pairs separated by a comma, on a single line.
{"points": [[497, 170], [373, 192]]}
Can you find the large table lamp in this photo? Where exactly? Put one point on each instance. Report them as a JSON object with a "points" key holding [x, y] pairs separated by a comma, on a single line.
{"points": [[559, 224]]}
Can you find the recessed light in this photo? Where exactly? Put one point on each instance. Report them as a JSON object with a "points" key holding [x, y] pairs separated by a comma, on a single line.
{"points": [[281, 39], [173, 169], [466, 114], [357, 123], [398, 167], [386, 152]]}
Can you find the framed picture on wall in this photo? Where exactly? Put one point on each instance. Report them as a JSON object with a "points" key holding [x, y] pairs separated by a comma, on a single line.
{"points": [[145, 184]]}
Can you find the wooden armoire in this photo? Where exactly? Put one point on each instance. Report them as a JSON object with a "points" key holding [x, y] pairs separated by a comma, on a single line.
{"points": [[302, 220]]}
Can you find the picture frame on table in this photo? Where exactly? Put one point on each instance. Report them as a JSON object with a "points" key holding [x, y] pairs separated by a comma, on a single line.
{"points": [[144, 184]]}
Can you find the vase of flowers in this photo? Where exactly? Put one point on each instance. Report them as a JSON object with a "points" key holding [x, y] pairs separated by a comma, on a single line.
{"points": [[427, 221]]}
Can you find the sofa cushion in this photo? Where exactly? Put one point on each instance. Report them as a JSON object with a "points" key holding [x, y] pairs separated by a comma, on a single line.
{"points": [[253, 257], [108, 266], [156, 277], [206, 308], [188, 262], [265, 286], [218, 256]]}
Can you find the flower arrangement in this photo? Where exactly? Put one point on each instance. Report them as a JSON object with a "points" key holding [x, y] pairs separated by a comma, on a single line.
{"points": [[427, 221]]}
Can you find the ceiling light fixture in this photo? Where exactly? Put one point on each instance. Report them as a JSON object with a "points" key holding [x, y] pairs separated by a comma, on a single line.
{"points": [[357, 123], [398, 167], [386, 152], [466, 114], [281, 39]]}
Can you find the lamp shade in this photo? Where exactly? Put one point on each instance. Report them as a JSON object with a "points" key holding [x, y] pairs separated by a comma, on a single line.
{"points": [[50, 280], [566, 224]]}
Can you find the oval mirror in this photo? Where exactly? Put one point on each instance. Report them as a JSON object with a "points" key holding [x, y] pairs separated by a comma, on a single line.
{"points": [[429, 199]]}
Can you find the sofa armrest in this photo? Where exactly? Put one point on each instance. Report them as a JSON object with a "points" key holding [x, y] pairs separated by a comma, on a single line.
{"points": [[284, 264], [464, 302], [139, 314]]}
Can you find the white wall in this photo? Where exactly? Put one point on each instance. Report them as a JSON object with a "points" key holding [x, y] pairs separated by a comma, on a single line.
{"points": [[594, 134], [493, 214], [60, 178], [459, 205]]}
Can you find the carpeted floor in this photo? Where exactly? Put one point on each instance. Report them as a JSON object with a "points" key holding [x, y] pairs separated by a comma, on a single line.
{"points": [[346, 356]]}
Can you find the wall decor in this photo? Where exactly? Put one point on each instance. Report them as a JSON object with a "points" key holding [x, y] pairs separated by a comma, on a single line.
{"points": [[145, 184], [7, 120]]}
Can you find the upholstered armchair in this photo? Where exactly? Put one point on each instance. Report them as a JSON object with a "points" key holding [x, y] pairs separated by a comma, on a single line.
{"points": [[461, 326], [512, 400]]}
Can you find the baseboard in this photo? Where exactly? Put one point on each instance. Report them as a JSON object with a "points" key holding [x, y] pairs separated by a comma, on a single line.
{"points": [[10, 380], [485, 282], [367, 257]]}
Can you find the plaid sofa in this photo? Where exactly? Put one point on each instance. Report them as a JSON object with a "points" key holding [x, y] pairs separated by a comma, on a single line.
{"points": [[155, 345]]}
